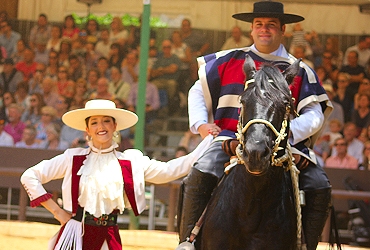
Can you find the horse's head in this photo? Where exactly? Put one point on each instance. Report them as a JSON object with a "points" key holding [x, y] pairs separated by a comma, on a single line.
{"points": [[264, 117]]}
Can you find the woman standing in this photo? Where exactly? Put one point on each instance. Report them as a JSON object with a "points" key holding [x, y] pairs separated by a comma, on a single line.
{"points": [[99, 182]]}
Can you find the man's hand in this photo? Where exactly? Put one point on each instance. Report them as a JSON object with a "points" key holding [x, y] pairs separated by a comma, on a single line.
{"points": [[300, 161], [209, 129]]}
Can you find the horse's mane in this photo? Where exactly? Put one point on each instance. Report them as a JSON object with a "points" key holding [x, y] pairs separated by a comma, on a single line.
{"points": [[269, 86]]}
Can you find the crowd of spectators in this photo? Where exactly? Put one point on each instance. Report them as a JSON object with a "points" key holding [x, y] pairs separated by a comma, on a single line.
{"points": [[58, 68]]}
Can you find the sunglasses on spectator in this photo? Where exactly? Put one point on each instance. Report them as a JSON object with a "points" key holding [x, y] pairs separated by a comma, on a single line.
{"points": [[33, 100]]}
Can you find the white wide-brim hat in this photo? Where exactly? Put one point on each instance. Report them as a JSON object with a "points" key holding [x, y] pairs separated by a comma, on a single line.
{"points": [[76, 118]]}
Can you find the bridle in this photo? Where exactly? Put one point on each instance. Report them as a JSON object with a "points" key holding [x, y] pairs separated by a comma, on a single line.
{"points": [[280, 135]]}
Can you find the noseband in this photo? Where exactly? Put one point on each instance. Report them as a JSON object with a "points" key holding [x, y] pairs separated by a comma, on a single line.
{"points": [[280, 136]]}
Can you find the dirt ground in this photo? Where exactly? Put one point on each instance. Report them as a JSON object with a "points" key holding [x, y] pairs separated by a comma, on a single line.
{"points": [[35, 236]]}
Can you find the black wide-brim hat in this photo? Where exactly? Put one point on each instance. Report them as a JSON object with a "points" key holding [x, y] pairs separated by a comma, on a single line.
{"points": [[268, 9]]}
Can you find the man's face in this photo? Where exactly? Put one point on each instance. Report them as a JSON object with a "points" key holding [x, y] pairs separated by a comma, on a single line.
{"points": [[267, 33]]}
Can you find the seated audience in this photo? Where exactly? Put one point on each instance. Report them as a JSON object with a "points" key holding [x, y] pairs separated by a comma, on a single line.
{"points": [[15, 126], [32, 114], [361, 115], [102, 90], [53, 44], [28, 138], [365, 165], [28, 65], [117, 86], [237, 39], [6, 140], [10, 76], [48, 115], [53, 141], [354, 145], [50, 93], [342, 159]]}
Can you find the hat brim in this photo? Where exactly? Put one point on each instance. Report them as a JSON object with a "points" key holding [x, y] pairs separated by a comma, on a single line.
{"points": [[76, 118], [285, 18]]}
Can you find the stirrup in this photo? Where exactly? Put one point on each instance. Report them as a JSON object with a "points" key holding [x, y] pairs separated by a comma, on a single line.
{"points": [[186, 245]]}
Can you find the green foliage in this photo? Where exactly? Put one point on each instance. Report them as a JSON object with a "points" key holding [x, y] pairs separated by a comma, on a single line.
{"points": [[127, 20]]}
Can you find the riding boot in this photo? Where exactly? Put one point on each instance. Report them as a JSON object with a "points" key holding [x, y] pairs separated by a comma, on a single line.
{"points": [[197, 190], [314, 215]]}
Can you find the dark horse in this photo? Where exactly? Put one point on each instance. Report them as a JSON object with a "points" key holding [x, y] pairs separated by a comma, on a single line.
{"points": [[253, 206]]}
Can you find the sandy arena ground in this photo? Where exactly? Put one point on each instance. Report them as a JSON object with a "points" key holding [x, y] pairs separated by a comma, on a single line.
{"points": [[34, 236]]}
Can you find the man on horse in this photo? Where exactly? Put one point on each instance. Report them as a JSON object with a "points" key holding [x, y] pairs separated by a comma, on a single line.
{"points": [[213, 109]]}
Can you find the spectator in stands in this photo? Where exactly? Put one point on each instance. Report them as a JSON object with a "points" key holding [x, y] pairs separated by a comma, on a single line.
{"points": [[103, 45], [342, 159], [53, 44], [79, 99], [116, 55], [92, 30], [74, 137], [180, 151], [332, 46], [152, 102], [4, 16], [10, 76], [52, 67], [50, 92], [356, 71], [6, 140], [237, 39], [164, 74], [335, 131], [365, 134], [8, 98], [323, 76], [355, 146], [41, 53], [364, 88], [63, 105], [8, 37], [35, 83], [322, 149], [133, 40], [32, 115], [102, 90], [198, 44], [342, 95], [21, 95], [28, 138], [92, 81], [76, 69], [362, 49], [70, 30], [330, 68], [91, 57], [48, 115], [299, 37], [118, 33], [299, 51], [53, 141], [15, 126], [64, 52], [361, 114], [18, 56], [41, 32], [183, 52], [365, 165], [117, 87], [28, 65], [103, 67], [62, 81], [316, 46], [130, 67]]}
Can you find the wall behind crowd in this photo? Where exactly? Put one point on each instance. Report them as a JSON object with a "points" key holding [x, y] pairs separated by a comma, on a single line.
{"points": [[323, 18]]}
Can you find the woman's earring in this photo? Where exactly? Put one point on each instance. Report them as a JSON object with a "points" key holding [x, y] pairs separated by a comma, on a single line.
{"points": [[116, 134], [88, 138]]}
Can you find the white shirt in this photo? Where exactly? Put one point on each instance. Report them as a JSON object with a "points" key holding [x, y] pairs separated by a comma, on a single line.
{"points": [[6, 140]]}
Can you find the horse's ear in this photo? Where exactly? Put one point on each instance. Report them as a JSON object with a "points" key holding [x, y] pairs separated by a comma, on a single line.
{"points": [[249, 67], [291, 71]]}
